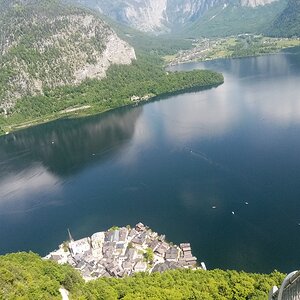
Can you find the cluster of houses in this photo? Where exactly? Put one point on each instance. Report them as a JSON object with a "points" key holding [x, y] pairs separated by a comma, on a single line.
{"points": [[124, 251], [138, 99]]}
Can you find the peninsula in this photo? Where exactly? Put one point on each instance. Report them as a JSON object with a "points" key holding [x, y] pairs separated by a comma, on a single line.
{"points": [[120, 252]]}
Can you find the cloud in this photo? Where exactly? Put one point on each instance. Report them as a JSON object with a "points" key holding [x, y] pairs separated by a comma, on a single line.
{"points": [[26, 190]]}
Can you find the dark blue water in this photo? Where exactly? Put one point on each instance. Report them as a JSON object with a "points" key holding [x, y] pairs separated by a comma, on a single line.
{"points": [[167, 163]]}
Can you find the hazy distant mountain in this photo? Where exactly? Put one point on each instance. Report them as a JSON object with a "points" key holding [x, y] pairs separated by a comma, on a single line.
{"points": [[255, 3], [152, 15], [44, 44], [234, 18], [168, 15], [288, 22]]}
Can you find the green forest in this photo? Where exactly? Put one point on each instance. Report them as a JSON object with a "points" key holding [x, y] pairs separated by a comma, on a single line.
{"points": [[146, 76], [54, 93], [234, 19], [287, 24], [27, 276]]}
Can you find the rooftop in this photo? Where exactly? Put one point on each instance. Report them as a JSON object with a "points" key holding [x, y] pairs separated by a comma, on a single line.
{"points": [[120, 252]]}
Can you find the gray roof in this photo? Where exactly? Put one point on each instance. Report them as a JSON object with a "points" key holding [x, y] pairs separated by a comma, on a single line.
{"points": [[187, 254], [109, 236], [172, 253], [190, 259], [140, 239], [127, 265], [140, 227], [80, 265], [123, 234], [154, 244], [166, 266], [130, 253], [161, 237], [185, 246], [116, 235], [78, 257], [162, 249], [140, 266], [120, 246], [133, 232], [56, 257]]}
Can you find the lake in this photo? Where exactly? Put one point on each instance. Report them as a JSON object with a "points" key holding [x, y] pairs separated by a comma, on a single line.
{"points": [[181, 165]]}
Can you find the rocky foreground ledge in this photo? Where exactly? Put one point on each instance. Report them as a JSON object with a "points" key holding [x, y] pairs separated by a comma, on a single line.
{"points": [[124, 251]]}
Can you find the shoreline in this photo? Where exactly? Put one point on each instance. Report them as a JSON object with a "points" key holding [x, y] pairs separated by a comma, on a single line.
{"points": [[202, 53], [225, 57], [82, 112], [121, 252]]}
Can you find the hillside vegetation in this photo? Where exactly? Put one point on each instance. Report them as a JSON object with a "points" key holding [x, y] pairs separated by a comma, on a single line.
{"points": [[58, 59], [46, 44], [233, 19], [145, 77], [287, 24], [27, 276], [232, 47]]}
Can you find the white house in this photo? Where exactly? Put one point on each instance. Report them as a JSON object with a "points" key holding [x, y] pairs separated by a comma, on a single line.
{"points": [[97, 240], [80, 246]]}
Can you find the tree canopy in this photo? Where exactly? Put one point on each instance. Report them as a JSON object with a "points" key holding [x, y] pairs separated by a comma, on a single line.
{"points": [[27, 276]]}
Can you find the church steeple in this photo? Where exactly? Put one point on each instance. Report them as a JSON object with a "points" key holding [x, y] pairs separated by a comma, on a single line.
{"points": [[70, 236]]}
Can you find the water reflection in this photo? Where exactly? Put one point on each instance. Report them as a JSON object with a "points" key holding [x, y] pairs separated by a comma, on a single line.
{"points": [[266, 88], [203, 115], [167, 164], [35, 161], [32, 184], [67, 146]]}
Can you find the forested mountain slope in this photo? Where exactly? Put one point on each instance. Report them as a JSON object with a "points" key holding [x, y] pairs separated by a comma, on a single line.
{"points": [[233, 19], [45, 44], [287, 24], [192, 17]]}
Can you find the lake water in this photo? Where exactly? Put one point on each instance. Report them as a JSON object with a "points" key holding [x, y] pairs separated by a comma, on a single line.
{"points": [[168, 163]]}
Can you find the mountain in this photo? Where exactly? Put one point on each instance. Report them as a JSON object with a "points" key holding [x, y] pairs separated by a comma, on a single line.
{"points": [[45, 44], [152, 15], [255, 3], [235, 18], [161, 16], [287, 24]]}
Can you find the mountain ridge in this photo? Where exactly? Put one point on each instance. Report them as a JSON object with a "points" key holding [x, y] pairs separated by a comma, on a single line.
{"points": [[287, 23], [164, 16], [47, 44]]}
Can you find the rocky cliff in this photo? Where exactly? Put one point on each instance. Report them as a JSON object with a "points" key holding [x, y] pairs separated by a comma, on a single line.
{"points": [[152, 15], [163, 15], [255, 3], [44, 44]]}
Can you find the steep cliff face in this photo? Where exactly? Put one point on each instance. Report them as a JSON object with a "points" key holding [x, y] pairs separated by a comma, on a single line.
{"points": [[45, 45], [145, 15], [164, 15], [255, 3], [152, 15], [182, 12]]}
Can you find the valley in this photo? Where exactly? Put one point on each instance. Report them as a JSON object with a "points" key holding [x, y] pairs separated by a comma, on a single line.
{"points": [[144, 77], [181, 113], [231, 47], [71, 59]]}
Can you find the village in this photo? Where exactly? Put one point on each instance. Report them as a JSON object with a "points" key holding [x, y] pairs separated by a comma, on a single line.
{"points": [[241, 45], [124, 251]]}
